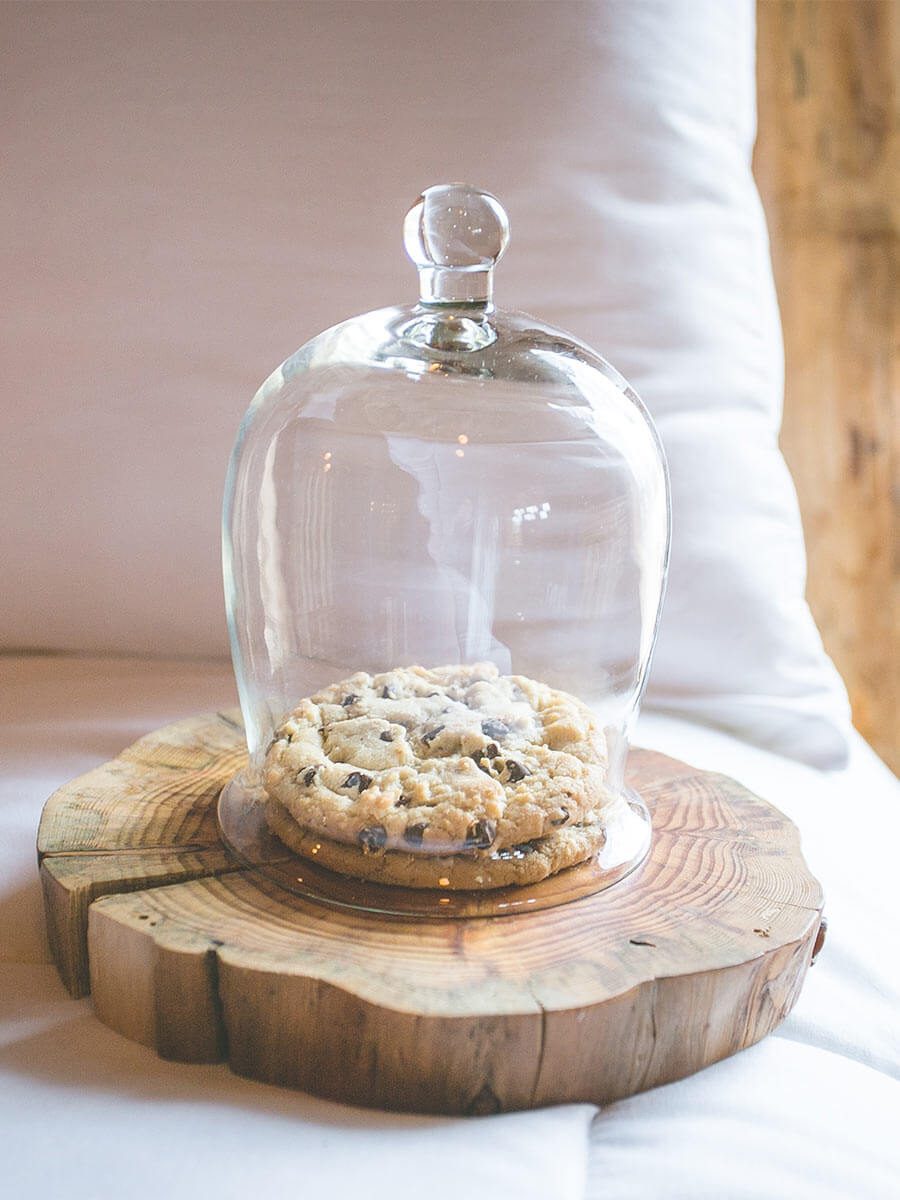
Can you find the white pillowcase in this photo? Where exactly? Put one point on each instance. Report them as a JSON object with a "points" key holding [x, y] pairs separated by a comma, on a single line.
{"points": [[192, 191], [677, 290]]}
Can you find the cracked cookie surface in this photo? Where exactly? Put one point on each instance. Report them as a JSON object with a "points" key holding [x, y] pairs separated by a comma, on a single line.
{"points": [[438, 761]]}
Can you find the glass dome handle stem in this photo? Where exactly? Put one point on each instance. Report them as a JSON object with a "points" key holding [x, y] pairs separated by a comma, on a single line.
{"points": [[455, 234]]}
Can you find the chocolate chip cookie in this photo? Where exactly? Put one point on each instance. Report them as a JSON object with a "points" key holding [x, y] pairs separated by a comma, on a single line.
{"points": [[452, 760], [529, 862]]}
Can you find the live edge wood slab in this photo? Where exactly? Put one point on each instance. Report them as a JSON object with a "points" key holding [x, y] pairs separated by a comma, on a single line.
{"points": [[699, 953]]}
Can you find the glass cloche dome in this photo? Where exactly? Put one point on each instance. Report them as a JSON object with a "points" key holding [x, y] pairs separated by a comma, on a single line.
{"points": [[446, 532]]}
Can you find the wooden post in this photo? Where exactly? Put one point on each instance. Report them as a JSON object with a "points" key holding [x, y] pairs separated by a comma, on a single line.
{"points": [[828, 166]]}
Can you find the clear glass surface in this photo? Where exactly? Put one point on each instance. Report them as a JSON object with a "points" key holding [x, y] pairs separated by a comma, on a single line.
{"points": [[242, 822], [445, 483]]}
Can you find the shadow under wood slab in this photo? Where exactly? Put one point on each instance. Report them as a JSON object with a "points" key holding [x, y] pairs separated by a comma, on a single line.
{"points": [[697, 954]]}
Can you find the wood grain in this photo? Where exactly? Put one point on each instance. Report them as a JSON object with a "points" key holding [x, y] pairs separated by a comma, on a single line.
{"points": [[123, 827], [828, 166], [699, 953]]}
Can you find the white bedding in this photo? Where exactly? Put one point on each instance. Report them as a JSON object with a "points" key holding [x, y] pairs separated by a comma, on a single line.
{"points": [[811, 1112], [619, 137]]}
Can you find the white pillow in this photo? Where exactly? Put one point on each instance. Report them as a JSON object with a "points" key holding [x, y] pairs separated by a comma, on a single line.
{"points": [[677, 291], [192, 191]]}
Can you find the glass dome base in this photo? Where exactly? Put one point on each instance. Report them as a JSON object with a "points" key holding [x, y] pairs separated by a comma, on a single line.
{"points": [[242, 825]]}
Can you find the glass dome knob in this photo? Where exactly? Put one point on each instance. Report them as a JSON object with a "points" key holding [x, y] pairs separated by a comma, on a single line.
{"points": [[455, 233]]}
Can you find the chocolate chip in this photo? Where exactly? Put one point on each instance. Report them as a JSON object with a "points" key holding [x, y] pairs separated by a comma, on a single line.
{"points": [[348, 700], [357, 780], [429, 737], [372, 838], [510, 852], [478, 759], [480, 835], [494, 729], [387, 694], [491, 750], [403, 802], [431, 695], [387, 736], [515, 771], [561, 820], [308, 776], [414, 834]]}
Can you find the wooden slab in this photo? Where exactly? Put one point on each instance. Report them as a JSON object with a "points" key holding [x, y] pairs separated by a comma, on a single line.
{"points": [[697, 954]]}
